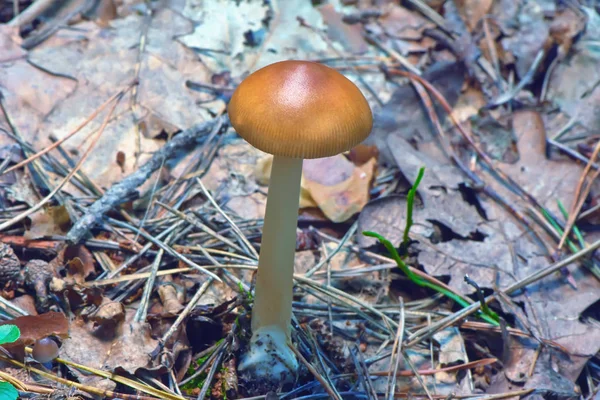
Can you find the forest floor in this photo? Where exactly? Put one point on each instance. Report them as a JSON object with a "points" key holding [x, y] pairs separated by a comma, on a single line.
{"points": [[131, 211]]}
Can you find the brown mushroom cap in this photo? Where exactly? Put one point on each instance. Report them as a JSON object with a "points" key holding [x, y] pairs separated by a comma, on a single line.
{"points": [[300, 109], [45, 350]]}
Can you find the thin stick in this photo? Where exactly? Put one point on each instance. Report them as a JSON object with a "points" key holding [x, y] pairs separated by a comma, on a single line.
{"points": [[129, 185], [31, 13], [396, 349], [579, 198], [233, 225], [165, 247], [192, 303]]}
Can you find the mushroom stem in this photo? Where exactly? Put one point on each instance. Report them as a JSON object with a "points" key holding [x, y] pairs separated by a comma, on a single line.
{"points": [[269, 356]]}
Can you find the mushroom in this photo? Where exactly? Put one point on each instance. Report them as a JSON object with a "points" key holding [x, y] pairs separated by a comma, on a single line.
{"points": [[292, 110], [44, 350]]}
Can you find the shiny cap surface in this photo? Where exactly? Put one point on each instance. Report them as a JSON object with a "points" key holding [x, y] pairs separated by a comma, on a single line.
{"points": [[300, 109]]}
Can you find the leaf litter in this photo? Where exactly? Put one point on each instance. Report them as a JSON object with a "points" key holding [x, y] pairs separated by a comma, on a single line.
{"points": [[504, 140]]}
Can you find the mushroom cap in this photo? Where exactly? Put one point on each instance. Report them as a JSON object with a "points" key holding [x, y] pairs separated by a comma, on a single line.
{"points": [[300, 109], [45, 350]]}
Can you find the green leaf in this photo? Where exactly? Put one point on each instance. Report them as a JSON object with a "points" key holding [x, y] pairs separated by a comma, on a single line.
{"points": [[9, 334], [8, 391]]}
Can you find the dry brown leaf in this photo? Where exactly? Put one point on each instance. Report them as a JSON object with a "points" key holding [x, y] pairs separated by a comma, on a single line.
{"points": [[35, 327], [129, 348], [531, 37], [340, 193], [51, 220], [10, 44], [574, 84], [472, 11], [170, 298], [250, 34], [401, 23], [343, 191], [100, 62], [349, 36], [26, 303]]}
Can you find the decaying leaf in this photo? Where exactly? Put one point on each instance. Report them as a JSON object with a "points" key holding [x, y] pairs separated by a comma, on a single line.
{"points": [[349, 36], [129, 349], [248, 35], [573, 85], [340, 193], [343, 191], [35, 327], [52, 220]]}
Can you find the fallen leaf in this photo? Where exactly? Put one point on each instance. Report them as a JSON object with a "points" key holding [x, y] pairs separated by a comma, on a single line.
{"points": [[170, 298], [10, 44], [573, 84], [128, 350], [404, 24], [251, 34], [452, 351], [79, 263], [36, 327], [404, 113], [88, 57], [339, 194], [472, 11], [26, 303], [343, 191], [49, 221], [350, 36]]}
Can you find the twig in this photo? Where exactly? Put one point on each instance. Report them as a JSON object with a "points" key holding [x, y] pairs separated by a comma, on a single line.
{"points": [[211, 373], [579, 198], [235, 228], [396, 349], [99, 392], [31, 13], [192, 303], [127, 187], [165, 247]]}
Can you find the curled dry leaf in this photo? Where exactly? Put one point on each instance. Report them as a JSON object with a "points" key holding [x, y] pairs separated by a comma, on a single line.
{"points": [[79, 263], [340, 193], [77, 296], [129, 348], [170, 298], [107, 317], [52, 220]]}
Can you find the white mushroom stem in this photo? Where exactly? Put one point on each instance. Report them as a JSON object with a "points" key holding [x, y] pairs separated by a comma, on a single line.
{"points": [[269, 356]]}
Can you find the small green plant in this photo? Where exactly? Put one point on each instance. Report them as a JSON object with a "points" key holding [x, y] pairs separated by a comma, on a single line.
{"points": [[488, 315], [8, 334], [198, 381]]}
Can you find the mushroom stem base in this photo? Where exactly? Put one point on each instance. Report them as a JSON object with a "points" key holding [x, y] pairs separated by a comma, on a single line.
{"points": [[269, 359]]}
